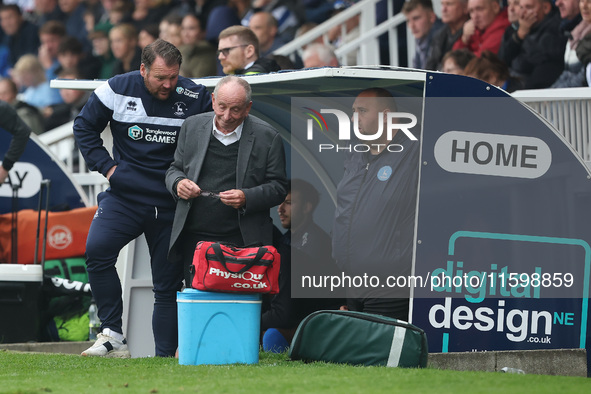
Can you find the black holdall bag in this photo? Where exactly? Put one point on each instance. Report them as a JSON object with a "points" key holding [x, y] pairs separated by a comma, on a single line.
{"points": [[359, 338]]}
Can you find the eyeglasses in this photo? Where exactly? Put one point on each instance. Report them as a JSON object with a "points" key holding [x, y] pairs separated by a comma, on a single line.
{"points": [[226, 51]]}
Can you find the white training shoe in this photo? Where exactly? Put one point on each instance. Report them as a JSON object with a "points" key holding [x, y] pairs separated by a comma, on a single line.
{"points": [[107, 346]]}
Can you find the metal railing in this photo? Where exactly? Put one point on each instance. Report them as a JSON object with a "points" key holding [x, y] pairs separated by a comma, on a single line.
{"points": [[568, 110], [365, 47]]}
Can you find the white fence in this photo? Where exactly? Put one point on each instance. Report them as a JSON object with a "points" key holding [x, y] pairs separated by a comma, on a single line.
{"points": [[568, 110]]}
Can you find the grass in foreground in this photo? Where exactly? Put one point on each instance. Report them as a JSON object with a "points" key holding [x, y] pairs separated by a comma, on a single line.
{"points": [[39, 373]]}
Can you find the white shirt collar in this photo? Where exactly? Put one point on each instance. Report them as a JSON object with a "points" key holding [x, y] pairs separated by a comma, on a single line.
{"points": [[229, 138], [249, 65]]}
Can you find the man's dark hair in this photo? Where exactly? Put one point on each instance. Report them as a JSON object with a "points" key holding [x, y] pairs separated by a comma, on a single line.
{"points": [[486, 66], [174, 18], [69, 73], [152, 29], [11, 84], [54, 28], [13, 7], [69, 44], [411, 5], [461, 57], [164, 49], [308, 193]]}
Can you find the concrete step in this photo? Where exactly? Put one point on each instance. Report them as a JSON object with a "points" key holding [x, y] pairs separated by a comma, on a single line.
{"points": [[48, 347], [564, 362]]}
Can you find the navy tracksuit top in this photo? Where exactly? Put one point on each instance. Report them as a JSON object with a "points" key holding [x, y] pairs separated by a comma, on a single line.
{"points": [[375, 214], [145, 132]]}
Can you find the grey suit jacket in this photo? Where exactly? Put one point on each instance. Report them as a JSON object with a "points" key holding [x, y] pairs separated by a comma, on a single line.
{"points": [[260, 174]]}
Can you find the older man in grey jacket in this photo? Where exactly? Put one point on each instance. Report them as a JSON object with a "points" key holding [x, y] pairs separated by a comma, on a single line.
{"points": [[228, 171]]}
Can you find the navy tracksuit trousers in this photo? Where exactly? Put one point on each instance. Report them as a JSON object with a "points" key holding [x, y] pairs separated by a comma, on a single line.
{"points": [[116, 223]]}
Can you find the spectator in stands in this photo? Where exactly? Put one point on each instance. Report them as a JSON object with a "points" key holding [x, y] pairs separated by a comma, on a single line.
{"points": [[319, 55], [10, 122], [170, 29], [125, 49], [584, 47], [221, 17], [20, 36], [174, 32], [45, 11], [29, 114], [264, 25], [288, 13], [454, 62], [454, 13], [513, 10], [102, 13], [71, 56], [74, 21], [147, 12], [73, 101], [573, 74], [199, 57], [423, 23], [238, 52], [341, 35], [119, 14], [147, 35], [570, 14], [101, 49], [89, 20], [489, 68], [30, 76], [50, 35], [535, 52], [485, 28]]}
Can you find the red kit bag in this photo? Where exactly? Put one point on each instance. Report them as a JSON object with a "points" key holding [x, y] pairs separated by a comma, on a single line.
{"points": [[231, 269]]}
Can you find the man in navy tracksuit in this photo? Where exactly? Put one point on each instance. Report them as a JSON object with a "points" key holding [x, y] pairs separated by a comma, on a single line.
{"points": [[146, 109], [11, 122], [374, 221]]}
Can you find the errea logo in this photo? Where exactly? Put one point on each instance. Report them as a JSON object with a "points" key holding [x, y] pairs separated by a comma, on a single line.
{"points": [[131, 105], [135, 133]]}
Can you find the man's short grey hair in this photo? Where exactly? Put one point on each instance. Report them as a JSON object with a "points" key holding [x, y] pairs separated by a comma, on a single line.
{"points": [[324, 52], [240, 81]]}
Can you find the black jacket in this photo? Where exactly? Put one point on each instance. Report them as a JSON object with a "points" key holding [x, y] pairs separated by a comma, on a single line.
{"points": [[441, 43], [10, 122], [261, 65], [539, 58]]}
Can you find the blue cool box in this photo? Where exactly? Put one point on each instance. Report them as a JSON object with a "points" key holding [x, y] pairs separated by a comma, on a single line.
{"points": [[218, 328]]}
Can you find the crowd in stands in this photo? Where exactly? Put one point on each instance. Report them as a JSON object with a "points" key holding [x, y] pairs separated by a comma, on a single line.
{"points": [[515, 44]]}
